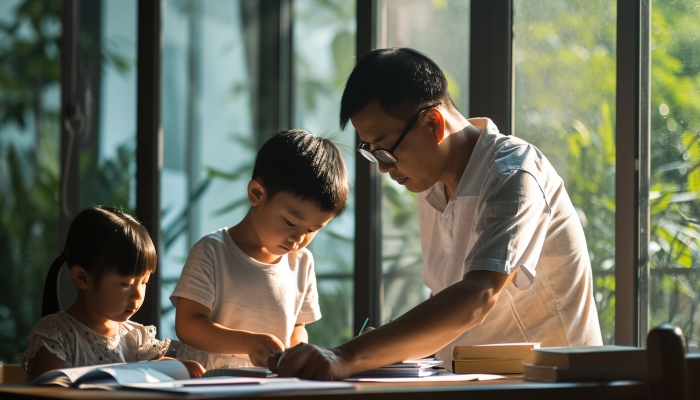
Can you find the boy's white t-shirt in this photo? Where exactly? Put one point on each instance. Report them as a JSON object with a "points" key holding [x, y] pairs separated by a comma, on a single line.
{"points": [[243, 293]]}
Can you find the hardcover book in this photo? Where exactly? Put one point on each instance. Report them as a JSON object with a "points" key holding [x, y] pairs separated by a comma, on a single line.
{"points": [[585, 373], [112, 376], [487, 366], [522, 351], [589, 355]]}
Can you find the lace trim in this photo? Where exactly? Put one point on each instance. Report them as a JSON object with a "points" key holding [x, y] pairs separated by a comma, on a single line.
{"points": [[151, 347]]}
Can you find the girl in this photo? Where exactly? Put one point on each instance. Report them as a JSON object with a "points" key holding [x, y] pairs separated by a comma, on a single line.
{"points": [[111, 257]]}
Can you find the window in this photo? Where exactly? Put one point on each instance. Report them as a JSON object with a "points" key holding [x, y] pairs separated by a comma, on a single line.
{"points": [[210, 134], [221, 61], [235, 71], [564, 73], [411, 23], [674, 173], [29, 164], [323, 55]]}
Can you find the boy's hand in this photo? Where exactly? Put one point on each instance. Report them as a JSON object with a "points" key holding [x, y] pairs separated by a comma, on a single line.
{"points": [[261, 346]]}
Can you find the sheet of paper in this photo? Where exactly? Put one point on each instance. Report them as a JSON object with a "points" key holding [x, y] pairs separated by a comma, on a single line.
{"points": [[271, 385], [213, 380], [444, 376]]}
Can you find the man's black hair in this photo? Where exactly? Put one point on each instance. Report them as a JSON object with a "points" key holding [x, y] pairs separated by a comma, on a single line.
{"points": [[401, 80], [307, 166]]}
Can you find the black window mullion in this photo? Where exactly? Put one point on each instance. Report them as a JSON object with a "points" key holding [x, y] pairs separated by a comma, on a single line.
{"points": [[70, 116], [149, 148], [632, 163], [72, 121], [368, 193], [490, 62]]}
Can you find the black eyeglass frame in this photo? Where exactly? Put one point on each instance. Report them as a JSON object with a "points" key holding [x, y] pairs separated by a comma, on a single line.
{"points": [[388, 156]]}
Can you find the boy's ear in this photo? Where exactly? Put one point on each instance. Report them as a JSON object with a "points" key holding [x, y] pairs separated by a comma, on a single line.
{"points": [[79, 276], [256, 191], [436, 121]]}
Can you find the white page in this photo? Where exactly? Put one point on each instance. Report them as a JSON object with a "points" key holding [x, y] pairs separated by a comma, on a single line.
{"points": [[213, 380], [71, 373], [172, 368], [271, 386], [145, 371], [444, 376]]}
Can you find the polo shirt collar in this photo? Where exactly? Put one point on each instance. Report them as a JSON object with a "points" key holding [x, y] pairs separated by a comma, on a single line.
{"points": [[473, 176]]}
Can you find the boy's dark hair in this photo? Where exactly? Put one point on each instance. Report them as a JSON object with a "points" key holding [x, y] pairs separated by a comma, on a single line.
{"points": [[307, 166], [102, 240], [401, 80]]}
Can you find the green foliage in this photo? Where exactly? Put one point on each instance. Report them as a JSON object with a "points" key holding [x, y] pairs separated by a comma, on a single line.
{"points": [[28, 167], [565, 88], [28, 244], [401, 251], [29, 164], [28, 58], [675, 161]]}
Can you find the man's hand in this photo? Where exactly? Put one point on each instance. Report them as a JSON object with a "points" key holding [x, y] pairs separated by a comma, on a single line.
{"points": [[310, 362], [261, 346]]}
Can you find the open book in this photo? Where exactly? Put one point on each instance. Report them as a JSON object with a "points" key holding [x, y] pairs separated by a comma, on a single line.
{"points": [[171, 376], [113, 376]]}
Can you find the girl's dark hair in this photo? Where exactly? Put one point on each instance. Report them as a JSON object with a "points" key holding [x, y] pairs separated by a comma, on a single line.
{"points": [[307, 166], [401, 80], [102, 240]]}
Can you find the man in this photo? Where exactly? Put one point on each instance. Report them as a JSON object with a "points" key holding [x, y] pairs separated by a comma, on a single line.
{"points": [[504, 251]]}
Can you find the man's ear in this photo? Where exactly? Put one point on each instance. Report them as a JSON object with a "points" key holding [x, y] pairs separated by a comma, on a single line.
{"points": [[256, 191], [80, 276], [436, 121]]}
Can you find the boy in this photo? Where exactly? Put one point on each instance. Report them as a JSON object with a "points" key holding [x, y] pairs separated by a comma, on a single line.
{"points": [[247, 291]]}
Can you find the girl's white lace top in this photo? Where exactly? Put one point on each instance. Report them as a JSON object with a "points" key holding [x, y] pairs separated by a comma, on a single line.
{"points": [[80, 346]]}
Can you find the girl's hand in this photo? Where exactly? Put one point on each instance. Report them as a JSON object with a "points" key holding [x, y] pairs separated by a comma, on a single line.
{"points": [[194, 368], [261, 346]]}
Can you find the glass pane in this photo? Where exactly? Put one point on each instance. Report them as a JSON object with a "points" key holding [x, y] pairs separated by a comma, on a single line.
{"points": [[323, 56], [107, 82], [29, 168], [674, 183], [209, 138], [564, 61], [412, 23]]}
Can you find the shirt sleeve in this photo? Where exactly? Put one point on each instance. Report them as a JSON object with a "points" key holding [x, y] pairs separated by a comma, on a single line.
{"points": [[511, 225], [143, 342], [197, 281], [310, 310], [48, 334]]}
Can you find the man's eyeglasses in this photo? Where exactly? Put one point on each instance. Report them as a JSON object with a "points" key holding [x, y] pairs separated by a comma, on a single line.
{"points": [[388, 156]]}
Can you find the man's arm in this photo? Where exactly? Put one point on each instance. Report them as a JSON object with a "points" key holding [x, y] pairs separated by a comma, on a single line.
{"points": [[193, 326], [421, 331]]}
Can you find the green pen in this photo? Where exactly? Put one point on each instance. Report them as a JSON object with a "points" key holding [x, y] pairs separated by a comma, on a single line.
{"points": [[363, 326]]}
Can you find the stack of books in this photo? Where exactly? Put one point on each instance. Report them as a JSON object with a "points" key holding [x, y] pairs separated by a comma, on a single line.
{"points": [[587, 364], [405, 369], [503, 358]]}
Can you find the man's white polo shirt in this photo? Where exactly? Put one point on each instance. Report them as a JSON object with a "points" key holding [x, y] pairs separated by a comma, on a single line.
{"points": [[511, 210]]}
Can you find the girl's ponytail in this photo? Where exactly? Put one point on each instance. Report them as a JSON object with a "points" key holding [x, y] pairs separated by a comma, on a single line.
{"points": [[49, 304]]}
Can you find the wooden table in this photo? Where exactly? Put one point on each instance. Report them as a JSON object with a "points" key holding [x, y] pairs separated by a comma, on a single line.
{"points": [[514, 387]]}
